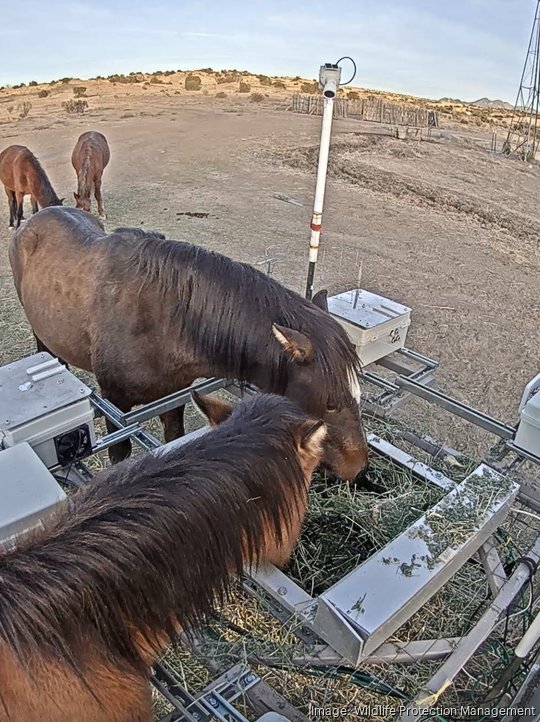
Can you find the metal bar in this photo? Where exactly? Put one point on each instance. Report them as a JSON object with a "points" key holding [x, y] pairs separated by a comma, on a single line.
{"points": [[415, 356], [525, 454], [493, 566], [262, 698], [390, 653], [456, 407], [173, 401], [468, 645], [385, 448], [113, 414], [114, 437]]}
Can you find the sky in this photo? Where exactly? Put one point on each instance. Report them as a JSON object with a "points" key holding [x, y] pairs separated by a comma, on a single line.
{"points": [[463, 49]]}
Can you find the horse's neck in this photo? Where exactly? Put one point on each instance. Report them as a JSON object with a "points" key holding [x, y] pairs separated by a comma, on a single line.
{"points": [[44, 192]]}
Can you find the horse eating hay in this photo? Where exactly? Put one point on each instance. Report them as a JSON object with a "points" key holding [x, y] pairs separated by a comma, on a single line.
{"points": [[89, 159], [89, 603], [22, 174], [149, 316]]}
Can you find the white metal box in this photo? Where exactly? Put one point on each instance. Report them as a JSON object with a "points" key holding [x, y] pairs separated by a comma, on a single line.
{"points": [[376, 325], [28, 491], [528, 431], [43, 403]]}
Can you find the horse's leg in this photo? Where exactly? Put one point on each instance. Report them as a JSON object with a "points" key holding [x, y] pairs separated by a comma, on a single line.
{"points": [[121, 450], [99, 198], [41, 348], [19, 197], [12, 201], [173, 424], [35, 208]]}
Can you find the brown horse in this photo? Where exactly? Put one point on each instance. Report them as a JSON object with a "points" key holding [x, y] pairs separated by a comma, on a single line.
{"points": [[149, 316], [149, 547], [89, 158], [22, 174]]}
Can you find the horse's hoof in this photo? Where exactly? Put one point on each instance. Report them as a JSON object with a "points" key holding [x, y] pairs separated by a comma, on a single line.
{"points": [[102, 217], [11, 228]]}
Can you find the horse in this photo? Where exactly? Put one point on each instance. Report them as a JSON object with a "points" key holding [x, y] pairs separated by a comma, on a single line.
{"points": [[149, 316], [145, 551], [89, 159], [22, 174]]}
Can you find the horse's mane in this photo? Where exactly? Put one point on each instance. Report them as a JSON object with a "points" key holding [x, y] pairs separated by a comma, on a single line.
{"points": [[227, 308], [43, 178], [153, 540]]}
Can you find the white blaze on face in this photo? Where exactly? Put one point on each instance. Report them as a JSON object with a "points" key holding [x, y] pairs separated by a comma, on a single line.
{"points": [[354, 385]]}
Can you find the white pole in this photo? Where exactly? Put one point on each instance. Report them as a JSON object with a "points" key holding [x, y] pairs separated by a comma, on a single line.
{"points": [[316, 218], [330, 85]]}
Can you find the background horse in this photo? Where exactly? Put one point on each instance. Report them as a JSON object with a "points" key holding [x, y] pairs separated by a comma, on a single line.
{"points": [[22, 174], [149, 316], [88, 604], [89, 158]]}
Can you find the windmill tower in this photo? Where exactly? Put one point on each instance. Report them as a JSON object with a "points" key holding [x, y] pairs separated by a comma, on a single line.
{"points": [[523, 135]]}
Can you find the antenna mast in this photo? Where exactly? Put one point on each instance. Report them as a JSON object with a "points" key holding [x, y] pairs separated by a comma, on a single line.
{"points": [[522, 139]]}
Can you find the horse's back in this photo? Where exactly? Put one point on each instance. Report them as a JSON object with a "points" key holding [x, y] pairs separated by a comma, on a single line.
{"points": [[13, 160], [94, 141], [55, 258]]}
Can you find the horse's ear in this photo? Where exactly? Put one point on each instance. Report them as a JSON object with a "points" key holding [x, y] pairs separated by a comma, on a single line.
{"points": [[296, 343], [320, 299], [214, 409], [62, 201], [310, 436]]}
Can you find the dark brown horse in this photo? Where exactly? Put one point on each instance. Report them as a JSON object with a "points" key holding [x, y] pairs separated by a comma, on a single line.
{"points": [[147, 549], [22, 174], [148, 316], [89, 158]]}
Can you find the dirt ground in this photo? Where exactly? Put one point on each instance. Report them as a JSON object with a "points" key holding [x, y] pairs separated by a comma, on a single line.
{"points": [[441, 225]]}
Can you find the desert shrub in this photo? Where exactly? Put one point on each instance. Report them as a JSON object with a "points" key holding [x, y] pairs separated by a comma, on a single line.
{"points": [[244, 87], [309, 87], [10, 109], [205, 92], [265, 80], [43, 93], [79, 91], [24, 109], [353, 95], [20, 85], [53, 82], [32, 83], [256, 97], [221, 94], [192, 82], [228, 76], [65, 80], [205, 70], [75, 106], [280, 84], [155, 80]]}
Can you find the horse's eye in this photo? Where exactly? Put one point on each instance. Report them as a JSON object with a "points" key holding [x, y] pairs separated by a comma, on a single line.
{"points": [[331, 408]]}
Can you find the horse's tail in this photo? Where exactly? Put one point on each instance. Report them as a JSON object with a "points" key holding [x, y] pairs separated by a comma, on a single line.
{"points": [[85, 167]]}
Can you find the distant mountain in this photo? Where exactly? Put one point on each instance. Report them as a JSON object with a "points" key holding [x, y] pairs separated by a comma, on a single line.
{"points": [[487, 103], [483, 103]]}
